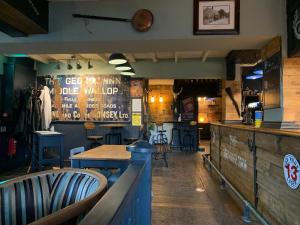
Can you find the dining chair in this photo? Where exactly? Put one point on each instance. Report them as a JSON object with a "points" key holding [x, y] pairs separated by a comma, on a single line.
{"points": [[75, 151]]}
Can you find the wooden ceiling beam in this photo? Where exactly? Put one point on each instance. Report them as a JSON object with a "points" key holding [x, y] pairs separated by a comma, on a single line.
{"points": [[205, 55], [176, 57], [103, 58], [130, 57], [39, 58], [56, 59], [154, 58]]}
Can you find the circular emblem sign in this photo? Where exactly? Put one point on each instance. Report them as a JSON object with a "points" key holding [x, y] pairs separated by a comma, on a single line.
{"points": [[291, 170]]}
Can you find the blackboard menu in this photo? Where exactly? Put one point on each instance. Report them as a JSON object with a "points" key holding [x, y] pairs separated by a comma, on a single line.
{"points": [[271, 81], [90, 97]]}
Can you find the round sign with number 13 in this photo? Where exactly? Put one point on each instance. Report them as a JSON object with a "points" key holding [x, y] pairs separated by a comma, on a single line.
{"points": [[291, 171]]}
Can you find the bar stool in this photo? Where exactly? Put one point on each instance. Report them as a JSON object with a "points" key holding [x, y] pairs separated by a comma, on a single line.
{"points": [[110, 137], [90, 130], [176, 138], [188, 140], [161, 144], [161, 137]]}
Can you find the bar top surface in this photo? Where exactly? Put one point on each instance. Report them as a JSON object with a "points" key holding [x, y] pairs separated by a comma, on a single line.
{"points": [[285, 132], [105, 152]]}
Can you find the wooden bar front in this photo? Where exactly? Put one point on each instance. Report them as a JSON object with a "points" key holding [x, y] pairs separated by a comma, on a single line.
{"points": [[252, 160]]}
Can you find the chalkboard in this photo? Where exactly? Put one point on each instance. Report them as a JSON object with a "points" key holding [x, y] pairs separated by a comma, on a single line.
{"points": [[271, 81], [90, 97]]}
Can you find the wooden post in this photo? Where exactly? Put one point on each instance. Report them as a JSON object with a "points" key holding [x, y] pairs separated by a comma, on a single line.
{"points": [[142, 151]]}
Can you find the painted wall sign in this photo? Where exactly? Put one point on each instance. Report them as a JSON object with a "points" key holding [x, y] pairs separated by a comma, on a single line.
{"points": [[291, 170], [90, 97], [235, 159], [233, 140]]}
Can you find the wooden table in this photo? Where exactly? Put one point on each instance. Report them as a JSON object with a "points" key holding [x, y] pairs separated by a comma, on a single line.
{"points": [[113, 125], [107, 156]]}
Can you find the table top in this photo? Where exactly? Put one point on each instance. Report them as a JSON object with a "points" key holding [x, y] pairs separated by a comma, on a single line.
{"points": [[47, 133], [114, 125], [105, 152]]}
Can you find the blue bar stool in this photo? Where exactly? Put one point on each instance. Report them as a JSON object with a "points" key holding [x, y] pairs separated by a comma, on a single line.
{"points": [[176, 138], [188, 140]]}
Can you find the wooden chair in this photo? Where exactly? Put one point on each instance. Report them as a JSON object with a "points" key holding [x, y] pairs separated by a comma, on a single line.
{"points": [[90, 129], [76, 151]]}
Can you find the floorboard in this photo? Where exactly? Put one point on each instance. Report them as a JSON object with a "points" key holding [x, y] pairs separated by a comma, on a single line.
{"points": [[186, 194]]}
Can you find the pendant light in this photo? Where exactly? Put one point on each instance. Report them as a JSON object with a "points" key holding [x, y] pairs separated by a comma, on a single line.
{"points": [[116, 59], [128, 72], [123, 67], [90, 66]]}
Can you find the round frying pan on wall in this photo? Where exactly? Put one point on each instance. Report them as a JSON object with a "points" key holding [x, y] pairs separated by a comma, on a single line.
{"points": [[141, 21]]}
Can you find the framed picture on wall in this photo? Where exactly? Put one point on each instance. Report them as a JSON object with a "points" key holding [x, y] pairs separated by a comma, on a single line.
{"points": [[216, 17], [188, 109], [293, 27]]}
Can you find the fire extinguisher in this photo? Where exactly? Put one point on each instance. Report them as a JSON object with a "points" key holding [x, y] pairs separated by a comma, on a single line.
{"points": [[12, 147]]}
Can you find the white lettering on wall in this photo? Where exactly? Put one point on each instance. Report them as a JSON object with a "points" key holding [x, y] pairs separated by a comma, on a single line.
{"points": [[235, 159]]}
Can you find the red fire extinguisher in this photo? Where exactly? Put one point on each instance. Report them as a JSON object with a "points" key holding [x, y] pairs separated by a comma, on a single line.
{"points": [[12, 147]]}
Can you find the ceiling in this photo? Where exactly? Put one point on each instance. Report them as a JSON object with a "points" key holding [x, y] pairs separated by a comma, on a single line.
{"points": [[133, 57]]}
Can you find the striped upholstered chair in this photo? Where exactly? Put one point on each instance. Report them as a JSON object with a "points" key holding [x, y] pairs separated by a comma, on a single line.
{"points": [[50, 197]]}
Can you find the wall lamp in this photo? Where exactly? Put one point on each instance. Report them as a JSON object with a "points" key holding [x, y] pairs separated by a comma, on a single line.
{"points": [[69, 67], [90, 66], [78, 66], [116, 59], [161, 99], [152, 99]]}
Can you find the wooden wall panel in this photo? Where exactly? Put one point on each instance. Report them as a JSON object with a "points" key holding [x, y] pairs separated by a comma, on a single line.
{"points": [[161, 112], [215, 145], [291, 91], [276, 201], [237, 161]]}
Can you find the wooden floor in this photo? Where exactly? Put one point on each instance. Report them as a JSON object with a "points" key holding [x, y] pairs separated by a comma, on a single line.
{"points": [[185, 194]]}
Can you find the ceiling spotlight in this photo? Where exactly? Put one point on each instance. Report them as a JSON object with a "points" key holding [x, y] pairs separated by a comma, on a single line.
{"points": [[128, 72], [69, 66], [123, 67], [90, 66], [58, 66], [117, 58], [78, 66]]}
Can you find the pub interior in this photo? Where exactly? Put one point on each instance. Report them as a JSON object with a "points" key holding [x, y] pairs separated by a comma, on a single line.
{"points": [[157, 122]]}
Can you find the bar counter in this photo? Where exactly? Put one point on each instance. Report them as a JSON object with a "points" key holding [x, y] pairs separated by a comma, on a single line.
{"points": [[252, 160]]}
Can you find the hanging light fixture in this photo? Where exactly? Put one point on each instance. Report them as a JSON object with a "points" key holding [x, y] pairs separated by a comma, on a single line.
{"points": [[123, 67], [90, 66], [69, 65], [117, 58], [78, 66], [128, 72]]}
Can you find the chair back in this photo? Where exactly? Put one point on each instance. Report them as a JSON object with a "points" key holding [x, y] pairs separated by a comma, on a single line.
{"points": [[75, 151]]}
